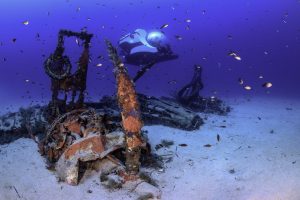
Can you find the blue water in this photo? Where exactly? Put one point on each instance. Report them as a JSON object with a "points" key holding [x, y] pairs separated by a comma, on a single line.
{"points": [[265, 34]]}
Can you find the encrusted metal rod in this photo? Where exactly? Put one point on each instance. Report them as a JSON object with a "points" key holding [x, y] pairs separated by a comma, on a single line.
{"points": [[130, 113]]}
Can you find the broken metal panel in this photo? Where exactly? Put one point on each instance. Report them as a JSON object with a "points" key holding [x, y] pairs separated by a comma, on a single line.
{"points": [[79, 136], [168, 112], [90, 148], [70, 127], [87, 149]]}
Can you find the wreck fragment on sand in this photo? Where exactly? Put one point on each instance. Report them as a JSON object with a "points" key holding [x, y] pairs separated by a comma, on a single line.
{"points": [[155, 111], [78, 137], [90, 148]]}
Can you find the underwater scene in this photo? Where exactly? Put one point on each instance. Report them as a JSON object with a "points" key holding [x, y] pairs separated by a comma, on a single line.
{"points": [[150, 99]]}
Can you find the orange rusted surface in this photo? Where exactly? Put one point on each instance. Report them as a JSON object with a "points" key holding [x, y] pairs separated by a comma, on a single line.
{"points": [[130, 112], [95, 144], [132, 124], [133, 141], [131, 119], [128, 177], [73, 126]]}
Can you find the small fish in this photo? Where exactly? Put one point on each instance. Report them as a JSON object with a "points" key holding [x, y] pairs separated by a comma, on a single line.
{"points": [[218, 138], [229, 37], [237, 57], [267, 85], [247, 87], [172, 82], [14, 40], [188, 20], [164, 26], [258, 118], [26, 22], [78, 9], [187, 27], [178, 37], [207, 145], [241, 81], [182, 145], [77, 42], [233, 54], [99, 65], [260, 77], [27, 80]]}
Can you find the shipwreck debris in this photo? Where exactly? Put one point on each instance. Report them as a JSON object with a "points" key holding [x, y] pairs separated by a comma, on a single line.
{"points": [[90, 148], [157, 111], [189, 97], [79, 137], [15, 125], [130, 112], [154, 111], [71, 127], [190, 92], [58, 67]]}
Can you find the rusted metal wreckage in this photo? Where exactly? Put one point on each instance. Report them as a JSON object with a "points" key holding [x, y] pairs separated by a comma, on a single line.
{"points": [[131, 115], [58, 67], [79, 134]]}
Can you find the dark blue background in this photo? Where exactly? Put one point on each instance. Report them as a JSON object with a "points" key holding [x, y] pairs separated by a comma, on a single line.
{"points": [[256, 27]]}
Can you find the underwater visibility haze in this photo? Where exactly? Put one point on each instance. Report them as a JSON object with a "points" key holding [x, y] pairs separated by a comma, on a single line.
{"points": [[214, 84], [265, 34]]}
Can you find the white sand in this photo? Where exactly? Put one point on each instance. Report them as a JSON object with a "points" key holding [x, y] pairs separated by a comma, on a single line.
{"points": [[266, 165]]}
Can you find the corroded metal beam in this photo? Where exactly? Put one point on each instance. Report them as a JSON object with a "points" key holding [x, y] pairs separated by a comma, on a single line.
{"points": [[130, 113]]}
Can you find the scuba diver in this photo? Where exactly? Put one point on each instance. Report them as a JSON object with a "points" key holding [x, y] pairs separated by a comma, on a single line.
{"points": [[141, 48]]}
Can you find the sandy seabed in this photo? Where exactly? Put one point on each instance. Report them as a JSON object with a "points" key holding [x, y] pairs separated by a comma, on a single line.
{"points": [[257, 157]]}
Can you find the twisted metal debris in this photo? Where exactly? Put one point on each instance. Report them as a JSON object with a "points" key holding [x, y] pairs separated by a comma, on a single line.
{"points": [[58, 67]]}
